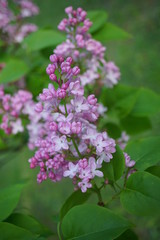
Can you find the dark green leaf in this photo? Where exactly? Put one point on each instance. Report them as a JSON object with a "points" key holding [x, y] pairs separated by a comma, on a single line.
{"points": [[113, 130], [91, 222], [134, 125], [42, 39], [9, 197], [142, 196], [116, 94], [76, 198], [13, 71], [128, 235], [9, 231], [29, 223], [144, 151], [98, 18], [111, 32], [155, 170], [115, 168]]}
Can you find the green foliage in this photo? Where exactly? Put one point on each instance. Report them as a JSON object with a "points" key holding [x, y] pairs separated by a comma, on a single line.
{"points": [[115, 168], [134, 125], [9, 197], [13, 71], [137, 102], [154, 170], [144, 151], [128, 235], [111, 32], [142, 194], [9, 231], [43, 38], [98, 18], [29, 223], [88, 222], [76, 198]]}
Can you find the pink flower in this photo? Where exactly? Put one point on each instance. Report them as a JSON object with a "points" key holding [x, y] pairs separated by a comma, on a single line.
{"points": [[76, 89], [93, 168], [17, 126], [99, 143], [64, 127], [84, 185], [72, 170], [76, 127], [79, 104], [60, 143]]}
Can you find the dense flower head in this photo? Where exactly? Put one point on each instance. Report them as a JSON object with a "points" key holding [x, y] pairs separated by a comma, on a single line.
{"points": [[11, 108], [70, 145], [89, 52], [12, 27]]}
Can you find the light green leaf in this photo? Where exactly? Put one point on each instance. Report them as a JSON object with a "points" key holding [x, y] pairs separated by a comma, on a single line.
{"points": [[111, 32], [115, 168], [29, 223], [9, 197], [13, 71], [76, 198], [142, 195], [9, 231], [147, 103], [98, 18], [91, 222], [144, 151], [42, 39]]}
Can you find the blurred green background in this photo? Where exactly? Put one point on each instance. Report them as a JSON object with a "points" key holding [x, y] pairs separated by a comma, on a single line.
{"points": [[138, 59]]}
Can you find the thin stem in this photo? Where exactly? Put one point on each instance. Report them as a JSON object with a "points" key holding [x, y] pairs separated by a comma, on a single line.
{"points": [[125, 178], [76, 147], [117, 185], [98, 192], [114, 197]]}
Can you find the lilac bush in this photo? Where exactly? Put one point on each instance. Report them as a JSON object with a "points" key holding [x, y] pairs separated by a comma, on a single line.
{"points": [[68, 132]]}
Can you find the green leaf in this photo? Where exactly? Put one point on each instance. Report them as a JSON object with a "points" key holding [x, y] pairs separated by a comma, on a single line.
{"points": [[13, 71], [98, 18], [111, 32], [42, 39], [89, 222], [76, 198], [113, 130], [128, 235], [115, 95], [9, 231], [144, 151], [147, 103], [142, 196], [9, 197], [134, 125], [115, 168], [29, 223], [155, 170], [136, 102], [141, 103]]}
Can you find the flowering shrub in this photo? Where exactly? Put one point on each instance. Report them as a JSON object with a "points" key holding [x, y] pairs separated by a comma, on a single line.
{"points": [[69, 134]]}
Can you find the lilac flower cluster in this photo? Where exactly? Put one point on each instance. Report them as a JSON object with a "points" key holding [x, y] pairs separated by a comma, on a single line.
{"points": [[70, 146], [12, 28], [11, 108], [89, 52]]}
